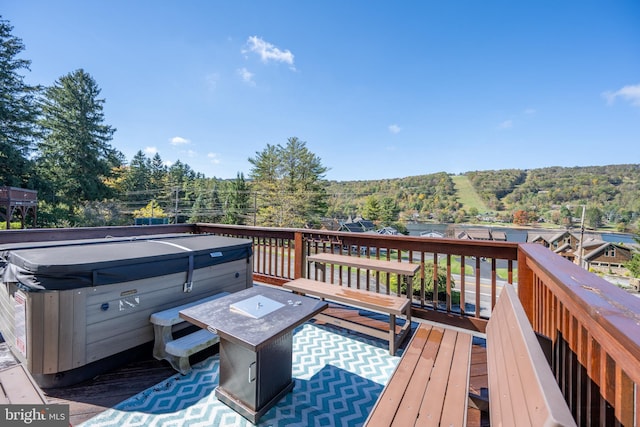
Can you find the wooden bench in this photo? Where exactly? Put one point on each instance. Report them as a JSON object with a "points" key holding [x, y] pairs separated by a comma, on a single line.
{"points": [[176, 351], [430, 384], [405, 269], [17, 387], [522, 387], [391, 305]]}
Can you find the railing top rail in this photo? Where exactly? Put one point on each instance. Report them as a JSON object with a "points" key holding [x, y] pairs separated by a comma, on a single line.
{"points": [[486, 248], [611, 314]]}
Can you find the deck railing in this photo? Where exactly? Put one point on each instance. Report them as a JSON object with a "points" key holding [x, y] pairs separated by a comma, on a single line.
{"points": [[595, 330], [465, 301], [594, 327]]}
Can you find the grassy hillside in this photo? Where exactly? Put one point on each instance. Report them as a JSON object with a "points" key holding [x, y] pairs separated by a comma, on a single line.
{"points": [[467, 195]]}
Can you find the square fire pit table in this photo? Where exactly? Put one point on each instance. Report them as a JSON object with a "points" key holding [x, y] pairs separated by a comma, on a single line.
{"points": [[255, 327]]}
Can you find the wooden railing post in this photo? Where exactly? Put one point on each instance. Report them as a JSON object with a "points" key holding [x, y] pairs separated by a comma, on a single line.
{"points": [[300, 259], [525, 284]]}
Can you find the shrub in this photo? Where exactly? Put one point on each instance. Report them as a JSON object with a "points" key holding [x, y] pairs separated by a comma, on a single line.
{"points": [[428, 288]]}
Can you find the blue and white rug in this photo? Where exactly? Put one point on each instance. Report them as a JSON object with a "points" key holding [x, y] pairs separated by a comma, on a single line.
{"points": [[337, 381]]}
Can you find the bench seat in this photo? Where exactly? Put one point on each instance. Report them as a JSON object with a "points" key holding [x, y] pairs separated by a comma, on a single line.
{"points": [[391, 305], [430, 385], [522, 388], [402, 268]]}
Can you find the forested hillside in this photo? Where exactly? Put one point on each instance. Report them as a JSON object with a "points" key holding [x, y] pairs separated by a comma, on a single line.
{"points": [[558, 193], [610, 194], [432, 196]]}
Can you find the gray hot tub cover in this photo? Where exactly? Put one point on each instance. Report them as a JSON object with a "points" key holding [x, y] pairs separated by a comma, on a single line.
{"points": [[85, 263]]}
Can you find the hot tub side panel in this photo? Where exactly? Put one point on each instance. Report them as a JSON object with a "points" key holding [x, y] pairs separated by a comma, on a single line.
{"points": [[117, 316], [67, 330]]}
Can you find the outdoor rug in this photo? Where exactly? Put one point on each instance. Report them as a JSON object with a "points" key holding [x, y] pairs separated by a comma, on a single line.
{"points": [[338, 378]]}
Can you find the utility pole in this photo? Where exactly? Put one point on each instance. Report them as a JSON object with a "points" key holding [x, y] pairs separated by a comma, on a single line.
{"points": [[581, 252], [176, 208], [255, 207]]}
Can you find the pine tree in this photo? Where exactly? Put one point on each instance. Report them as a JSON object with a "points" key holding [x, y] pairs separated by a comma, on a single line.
{"points": [[138, 178], [236, 205], [288, 181], [18, 112], [75, 156]]}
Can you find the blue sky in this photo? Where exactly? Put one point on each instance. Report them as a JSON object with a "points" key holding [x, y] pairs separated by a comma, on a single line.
{"points": [[377, 89]]}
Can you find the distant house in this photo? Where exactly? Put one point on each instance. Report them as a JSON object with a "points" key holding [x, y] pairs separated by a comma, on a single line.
{"points": [[483, 234], [608, 255], [563, 238], [357, 225], [538, 239], [595, 253], [499, 236], [565, 250], [390, 231], [330, 224], [479, 234], [432, 233]]}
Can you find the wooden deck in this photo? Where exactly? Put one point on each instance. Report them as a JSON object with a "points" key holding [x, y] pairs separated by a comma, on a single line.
{"points": [[91, 397], [94, 396]]}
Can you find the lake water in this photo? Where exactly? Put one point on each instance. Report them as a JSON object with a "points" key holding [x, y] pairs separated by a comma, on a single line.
{"points": [[518, 235]]}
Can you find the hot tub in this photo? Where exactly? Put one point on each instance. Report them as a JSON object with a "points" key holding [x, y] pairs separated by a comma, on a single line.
{"points": [[72, 309]]}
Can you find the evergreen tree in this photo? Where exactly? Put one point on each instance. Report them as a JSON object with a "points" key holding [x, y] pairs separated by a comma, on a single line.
{"points": [[371, 209], [75, 156], [288, 183], [593, 217], [198, 211], [236, 205], [388, 211], [158, 172], [18, 112], [138, 177]]}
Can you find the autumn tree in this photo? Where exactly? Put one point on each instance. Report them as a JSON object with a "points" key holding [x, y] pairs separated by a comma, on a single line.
{"points": [[520, 217], [151, 210]]}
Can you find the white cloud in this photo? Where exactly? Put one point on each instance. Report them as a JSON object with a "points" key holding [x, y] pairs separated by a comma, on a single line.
{"points": [[394, 128], [507, 124], [269, 52], [178, 140], [246, 76], [213, 157], [629, 93], [530, 111], [191, 153], [150, 150], [168, 163]]}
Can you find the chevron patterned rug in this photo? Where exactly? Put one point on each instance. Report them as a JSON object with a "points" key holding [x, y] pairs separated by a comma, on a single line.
{"points": [[337, 378]]}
